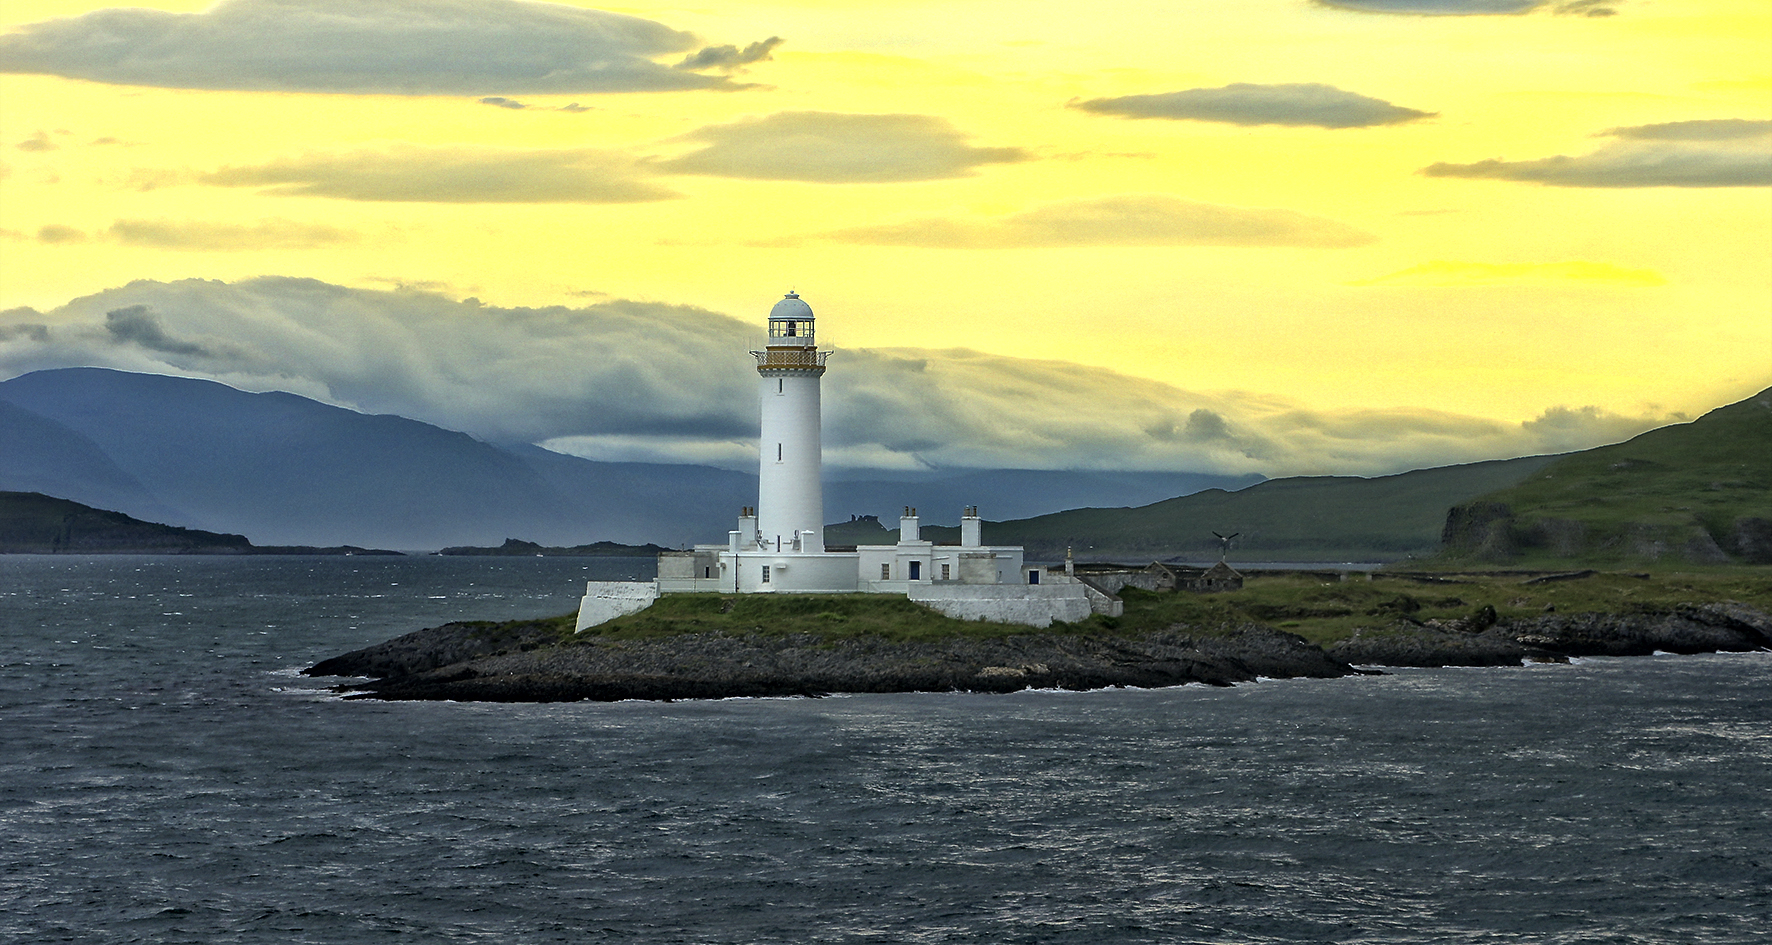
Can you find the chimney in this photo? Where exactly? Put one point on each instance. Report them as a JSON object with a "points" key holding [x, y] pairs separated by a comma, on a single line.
{"points": [[907, 525], [971, 528]]}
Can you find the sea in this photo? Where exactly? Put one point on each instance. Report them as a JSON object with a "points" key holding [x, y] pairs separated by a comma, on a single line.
{"points": [[166, 775]]}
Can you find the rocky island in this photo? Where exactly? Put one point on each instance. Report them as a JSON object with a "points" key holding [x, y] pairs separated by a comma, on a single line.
{"points": [[1279, 626]]}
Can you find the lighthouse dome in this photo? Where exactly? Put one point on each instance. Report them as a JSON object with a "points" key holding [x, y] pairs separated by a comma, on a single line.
{"points": [[792, 307]]}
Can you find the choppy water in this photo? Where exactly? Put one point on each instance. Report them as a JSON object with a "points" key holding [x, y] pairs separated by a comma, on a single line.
{"points": [[167, 778]]}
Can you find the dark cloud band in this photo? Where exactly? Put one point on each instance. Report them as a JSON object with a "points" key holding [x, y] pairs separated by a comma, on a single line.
{"points": [[1309, 103], [1709, 153], [403, 47], [828, 147]]}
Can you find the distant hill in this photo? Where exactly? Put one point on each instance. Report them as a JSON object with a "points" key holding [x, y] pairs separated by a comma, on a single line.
{"points": [[32, 523], [1011, 493], [1314, 518], [286, 470], [1697, 492], [515, 548]]}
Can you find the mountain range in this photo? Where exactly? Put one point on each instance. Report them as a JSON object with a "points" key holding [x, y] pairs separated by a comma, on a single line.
{"points": [[287, 470]]}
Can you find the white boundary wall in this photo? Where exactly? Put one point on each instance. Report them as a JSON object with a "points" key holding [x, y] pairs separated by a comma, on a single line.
{"points": [[607, 600], [1036, 605]]}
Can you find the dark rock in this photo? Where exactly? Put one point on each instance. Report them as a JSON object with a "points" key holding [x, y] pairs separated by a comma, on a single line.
{"points": [[1750, 539], [714, 665], [424, 650], [1480, 530], [1408, 644], [1692, 628]]}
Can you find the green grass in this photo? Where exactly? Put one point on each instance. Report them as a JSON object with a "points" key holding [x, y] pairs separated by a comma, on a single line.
{"points": [[830, 616], [1322, 611]]}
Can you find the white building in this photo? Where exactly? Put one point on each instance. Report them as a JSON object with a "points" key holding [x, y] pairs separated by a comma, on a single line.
{"points": [[778, 547]]}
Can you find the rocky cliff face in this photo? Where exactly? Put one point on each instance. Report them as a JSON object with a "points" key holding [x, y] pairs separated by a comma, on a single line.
{"points": [[1695, 628], [1491, 532]]}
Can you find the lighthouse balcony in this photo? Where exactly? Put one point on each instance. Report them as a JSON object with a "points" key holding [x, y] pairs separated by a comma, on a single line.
{"points": [[775, 358]]}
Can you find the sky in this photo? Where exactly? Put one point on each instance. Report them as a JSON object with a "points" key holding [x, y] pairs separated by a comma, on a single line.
{"points": [[1279, 236]]}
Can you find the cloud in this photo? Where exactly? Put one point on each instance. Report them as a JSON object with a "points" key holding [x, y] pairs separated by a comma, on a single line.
{"points": [[269, 234], [135, 325], [1476, 7], [400, 47], [730, 58], [1714, 153], [826, 147], [1448, 273], [37, 142], [1119, 220], [1305, 103], [673, 383], [57, 233], [452, 175], [1716, 129], [13, 326], [500, 101]]}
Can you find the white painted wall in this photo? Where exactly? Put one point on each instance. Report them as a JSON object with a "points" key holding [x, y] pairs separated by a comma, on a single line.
{"points": [[606, 600], [790, 497], [1036, 606]]}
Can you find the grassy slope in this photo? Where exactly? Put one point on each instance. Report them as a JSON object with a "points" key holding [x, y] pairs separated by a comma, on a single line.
{"points": [[1326, 518], [1654, 495]]}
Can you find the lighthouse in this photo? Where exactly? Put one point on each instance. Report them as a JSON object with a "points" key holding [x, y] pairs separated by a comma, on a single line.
{"points": [[790, 496], [778, 546]]}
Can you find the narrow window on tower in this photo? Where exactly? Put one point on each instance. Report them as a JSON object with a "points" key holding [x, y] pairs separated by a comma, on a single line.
{"points": [[778, 383], [778, 452]]}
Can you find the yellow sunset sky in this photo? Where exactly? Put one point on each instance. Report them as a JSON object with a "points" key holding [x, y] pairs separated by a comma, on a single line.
{"points": [[1275, 235]]}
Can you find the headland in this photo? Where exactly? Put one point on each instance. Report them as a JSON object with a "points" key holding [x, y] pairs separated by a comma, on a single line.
{"points": [[1315, 625]]}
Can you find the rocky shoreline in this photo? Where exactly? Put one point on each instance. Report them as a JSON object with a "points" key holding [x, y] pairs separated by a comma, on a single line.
{"points": [[531, 661]]}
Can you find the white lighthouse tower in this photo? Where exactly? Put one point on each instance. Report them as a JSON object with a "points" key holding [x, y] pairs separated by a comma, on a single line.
{"points": [[790, 497]]}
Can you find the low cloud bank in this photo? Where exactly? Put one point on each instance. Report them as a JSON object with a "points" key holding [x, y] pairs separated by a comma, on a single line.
{"points": [[636, 380]]}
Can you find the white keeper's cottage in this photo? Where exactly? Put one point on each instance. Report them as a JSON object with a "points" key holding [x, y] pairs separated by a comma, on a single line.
{"points": [[778, 546]]}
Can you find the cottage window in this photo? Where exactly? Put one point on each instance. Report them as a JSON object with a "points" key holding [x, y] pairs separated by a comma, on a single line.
{"points": [[766, 574], [885, 572], [945, 572]]}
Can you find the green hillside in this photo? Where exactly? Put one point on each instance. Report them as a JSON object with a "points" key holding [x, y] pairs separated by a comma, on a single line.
{"points": [[1698, 492], [1317, 518]]}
